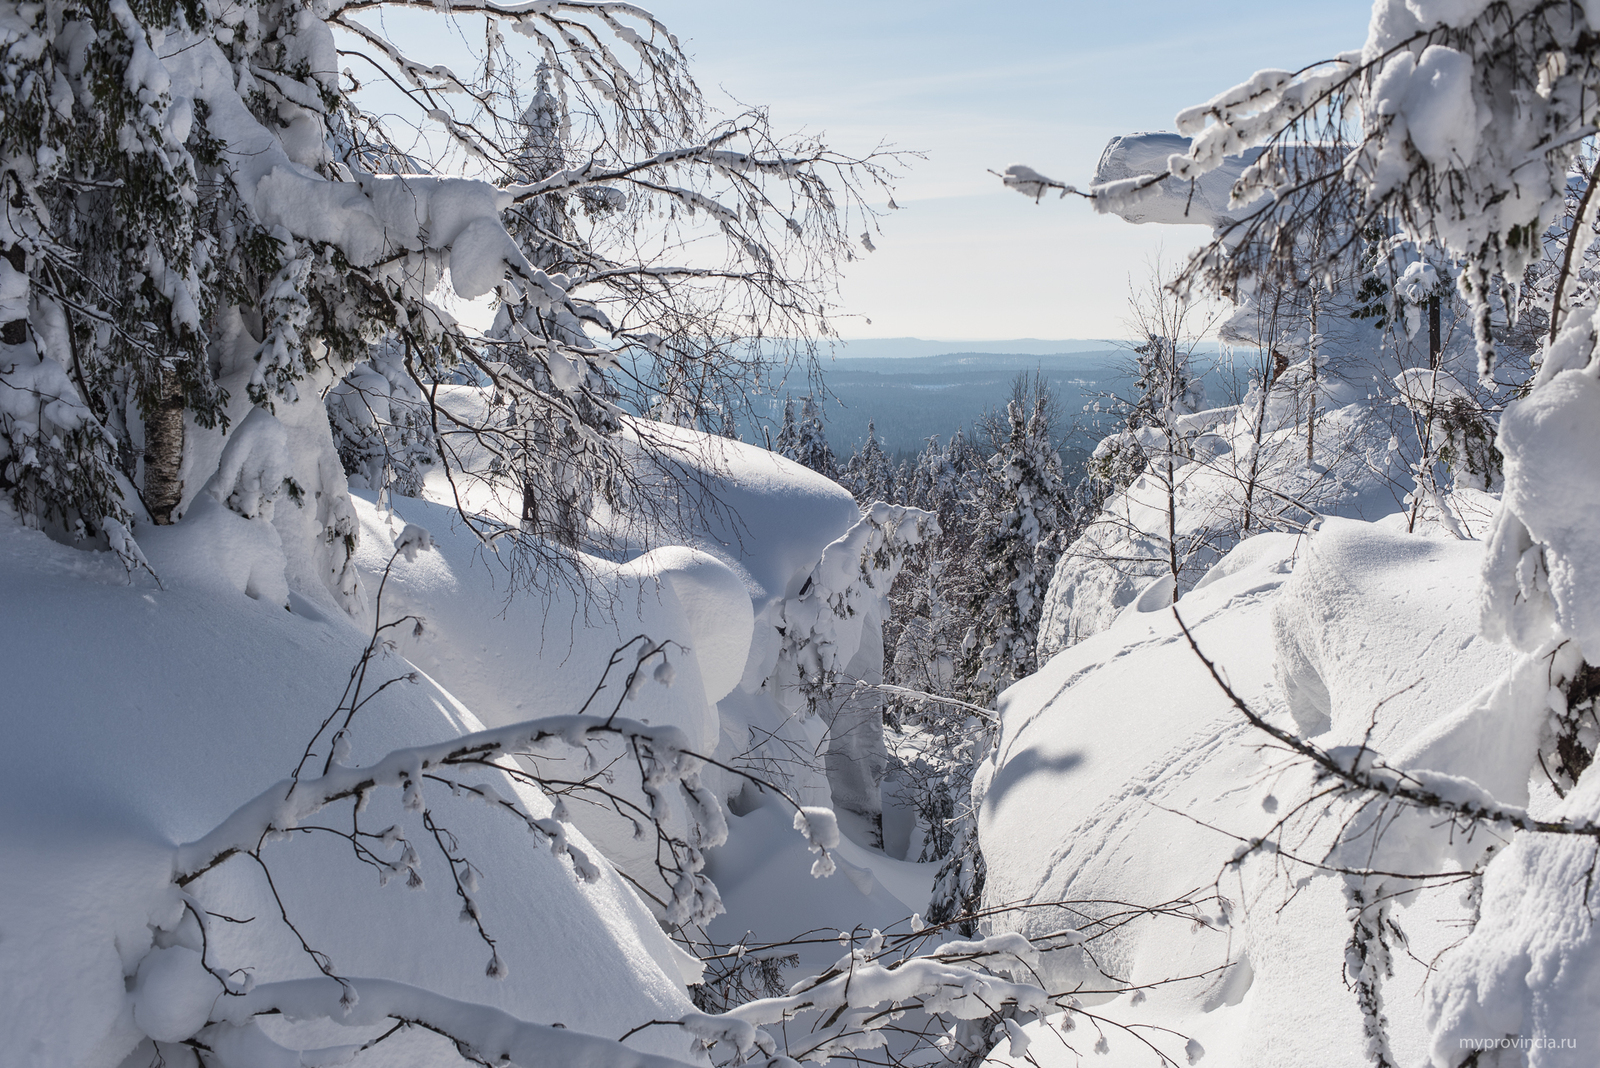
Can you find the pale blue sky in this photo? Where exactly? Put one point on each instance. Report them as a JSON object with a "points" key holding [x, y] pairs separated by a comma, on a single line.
{"points": [[979, 86]]}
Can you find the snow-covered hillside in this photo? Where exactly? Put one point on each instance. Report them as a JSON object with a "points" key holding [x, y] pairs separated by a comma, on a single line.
{"points": [[188, 700], [1127, 789], [197, 692], [568, 738]]}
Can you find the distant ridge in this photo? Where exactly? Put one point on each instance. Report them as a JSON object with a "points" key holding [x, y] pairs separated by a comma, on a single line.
{"points": [[899, 348], [1008, 362]]}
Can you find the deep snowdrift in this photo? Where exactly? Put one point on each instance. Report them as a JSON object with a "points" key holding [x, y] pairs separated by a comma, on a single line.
{"points": [[181, 704], [199, 691], [1125, 783], [1238, 465]]}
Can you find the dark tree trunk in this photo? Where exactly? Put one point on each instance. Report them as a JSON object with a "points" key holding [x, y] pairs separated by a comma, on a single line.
{"points": [[1433, 332], [530, 506], [163, 451], [16, 331]]}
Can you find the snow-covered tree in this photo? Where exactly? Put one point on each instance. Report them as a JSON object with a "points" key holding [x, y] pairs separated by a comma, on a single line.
{"points": [[382, 426], [1017, 547], [1125, 522], [811, 447], [788, 438], [868, 473], [930, 617], [205, 215]]}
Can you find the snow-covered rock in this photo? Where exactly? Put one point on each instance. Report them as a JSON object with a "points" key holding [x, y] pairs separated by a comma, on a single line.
{"points": [[1229, 476], [189, 699], [1126, 783]]}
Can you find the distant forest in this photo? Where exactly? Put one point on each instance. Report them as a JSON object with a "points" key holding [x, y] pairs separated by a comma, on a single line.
{"points": [[908, 400]]}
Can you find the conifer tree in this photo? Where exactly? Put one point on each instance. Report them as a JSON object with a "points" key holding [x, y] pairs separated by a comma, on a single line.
{"points": [[546, 454], [868, 474], [730, 427], [811, 446], [1017, 548], [788, 432]]}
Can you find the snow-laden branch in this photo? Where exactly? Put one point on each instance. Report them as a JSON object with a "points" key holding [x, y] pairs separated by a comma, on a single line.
{"points": [[1030, 183], [1358, 768], [288, 804], [481, 1033], [859, 997]]}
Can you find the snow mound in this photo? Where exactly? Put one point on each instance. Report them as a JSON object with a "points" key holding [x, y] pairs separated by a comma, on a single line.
{"points": [[716, 608], [1360, 596], [1526, 982], [1114, 745], [764, 515], [1227, 476], [1126, 786], [196, 699]]}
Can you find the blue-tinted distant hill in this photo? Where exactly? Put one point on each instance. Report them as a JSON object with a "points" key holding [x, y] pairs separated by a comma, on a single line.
{"points": [[909, 396], [899, 348]]}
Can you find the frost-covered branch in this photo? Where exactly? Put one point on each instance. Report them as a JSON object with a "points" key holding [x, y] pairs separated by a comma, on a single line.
{"points": [[482, 1034], [1359, 769]]}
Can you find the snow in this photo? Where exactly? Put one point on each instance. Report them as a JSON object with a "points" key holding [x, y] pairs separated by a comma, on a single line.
{"points": [[1194, 881], [512, 654], [1431, 95], [13, 293], [1203, 202], [217, 549], [78, 898], [767, 517], [1528, 973], [1073, 795], [762, 527], [38, 393], [488, 1035], [1124, 774], [1116, 563], [479, 256], [1029, 182], [1551, 443], [716, 608], [764, 875], [196, 698], [1355, 594], [173, 993], [253, 467]]}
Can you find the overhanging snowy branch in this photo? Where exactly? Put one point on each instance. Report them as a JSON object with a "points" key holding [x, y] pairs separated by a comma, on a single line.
{"points": [[286, 805], [482, 1034], [1360, 770]]}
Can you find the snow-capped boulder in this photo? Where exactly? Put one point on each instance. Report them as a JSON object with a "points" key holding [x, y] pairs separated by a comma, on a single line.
{"points": [[1128, 788], [1377, 629], [194, 700]]}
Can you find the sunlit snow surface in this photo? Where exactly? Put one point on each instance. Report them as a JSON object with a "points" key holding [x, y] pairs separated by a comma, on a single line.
{"points": [[185, 702], [196, 694], [1125, 778]]}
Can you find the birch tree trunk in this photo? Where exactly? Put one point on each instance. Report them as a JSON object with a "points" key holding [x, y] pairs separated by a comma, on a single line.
{"points": [[163, 451]]}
